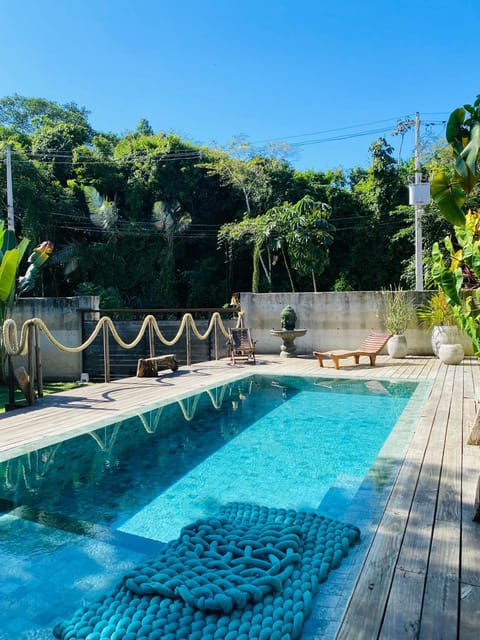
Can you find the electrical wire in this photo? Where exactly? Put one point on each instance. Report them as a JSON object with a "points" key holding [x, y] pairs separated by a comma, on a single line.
{"points": [[392, 123], [67, 158], [49, 155]]}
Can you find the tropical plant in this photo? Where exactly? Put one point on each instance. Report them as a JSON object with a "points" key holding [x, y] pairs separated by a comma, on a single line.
{"points": [[382, 193], [456, 261], [172, 222], [249, 232], [303, 235], [11, 253], [436, 312], [300, 233], [103, 212], [398, 310], [28, 115], [450, 189]]}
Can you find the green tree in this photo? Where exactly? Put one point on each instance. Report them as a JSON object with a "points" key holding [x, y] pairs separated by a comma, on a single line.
{"points": [[303, 235], [27, 115], [171, 222], [381, 191], [262, 181], [246, 235], [56, 154], [299, 232]]}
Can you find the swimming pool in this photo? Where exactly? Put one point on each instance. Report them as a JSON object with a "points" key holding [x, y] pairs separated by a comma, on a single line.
{"points": [[103, 501]]}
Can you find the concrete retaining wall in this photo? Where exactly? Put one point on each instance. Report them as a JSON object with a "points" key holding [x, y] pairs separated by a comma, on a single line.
{"points": [[63, 317], [334, 320]]}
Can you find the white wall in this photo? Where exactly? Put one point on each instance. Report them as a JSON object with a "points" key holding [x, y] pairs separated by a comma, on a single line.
{"points": [[334, 320]]}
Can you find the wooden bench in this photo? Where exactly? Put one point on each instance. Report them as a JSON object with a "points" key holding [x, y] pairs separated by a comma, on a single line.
{"points": [[148, 367]]}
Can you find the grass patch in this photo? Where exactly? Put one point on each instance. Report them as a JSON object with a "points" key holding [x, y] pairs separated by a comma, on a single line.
{"points": [[48, 387]]}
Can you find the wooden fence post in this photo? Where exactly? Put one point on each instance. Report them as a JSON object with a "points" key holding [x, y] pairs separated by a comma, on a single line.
{"points": [[187, 340], [151, 339], [38, 363], [11, 383], [106, 353], [31, 368], [215, 335]]}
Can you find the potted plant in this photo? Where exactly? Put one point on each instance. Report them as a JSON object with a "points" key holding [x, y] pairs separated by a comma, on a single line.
{"points": [[398, 311], [437, 316]]}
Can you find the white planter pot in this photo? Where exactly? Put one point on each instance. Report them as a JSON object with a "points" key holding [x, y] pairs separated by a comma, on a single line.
{"points": [[397, 346], [444, 334], [451, 353]]}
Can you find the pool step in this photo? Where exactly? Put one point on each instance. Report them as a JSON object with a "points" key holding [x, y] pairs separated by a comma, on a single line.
{"points": [[89, 529]]}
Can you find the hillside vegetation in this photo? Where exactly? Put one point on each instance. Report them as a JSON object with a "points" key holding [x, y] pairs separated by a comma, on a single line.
{"points": [[148, 219]]}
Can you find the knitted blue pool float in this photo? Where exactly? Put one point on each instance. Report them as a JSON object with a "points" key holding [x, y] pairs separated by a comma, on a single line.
{"points": [[249, 573]]}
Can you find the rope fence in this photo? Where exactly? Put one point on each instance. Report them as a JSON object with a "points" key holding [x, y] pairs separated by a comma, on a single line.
{"points": [[26, 342]]}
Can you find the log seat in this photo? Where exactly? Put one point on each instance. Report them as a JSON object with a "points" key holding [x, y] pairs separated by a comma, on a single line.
{"points": [[148, 367]]}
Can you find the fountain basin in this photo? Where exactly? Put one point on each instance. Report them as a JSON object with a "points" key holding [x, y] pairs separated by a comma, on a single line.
{"points": [[288, 336]]}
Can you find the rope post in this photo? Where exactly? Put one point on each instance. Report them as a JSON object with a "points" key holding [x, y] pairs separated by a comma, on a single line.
{"points": [[38, 363], [215, 337], [31, 368], [11, 382], [151, 339], [188, 341], [106, 353]]}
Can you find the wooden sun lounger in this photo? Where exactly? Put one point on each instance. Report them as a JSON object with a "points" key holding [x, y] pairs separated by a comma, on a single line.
{"points": [[371, 347]]}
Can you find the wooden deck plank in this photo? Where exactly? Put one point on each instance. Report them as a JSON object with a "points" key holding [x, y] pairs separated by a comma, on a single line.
{"points": [[469, 607], [404, 606], [404, 622], [439, 614], [364, 613], [440, 608]]}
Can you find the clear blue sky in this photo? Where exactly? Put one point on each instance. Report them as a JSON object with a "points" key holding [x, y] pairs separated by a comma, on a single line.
{"points": [[210, 70]]}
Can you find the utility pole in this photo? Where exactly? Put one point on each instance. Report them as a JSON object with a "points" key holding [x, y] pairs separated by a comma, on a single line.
{"points": [[419, 195], [418, 211], [10, 216]]}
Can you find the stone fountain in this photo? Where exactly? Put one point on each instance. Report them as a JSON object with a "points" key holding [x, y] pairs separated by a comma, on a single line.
{"points": [[288, 333]]}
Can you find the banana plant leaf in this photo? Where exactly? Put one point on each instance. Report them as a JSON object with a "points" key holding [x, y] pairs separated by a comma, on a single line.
{"points": [[455, 131], [449, 197], [8, 274]]}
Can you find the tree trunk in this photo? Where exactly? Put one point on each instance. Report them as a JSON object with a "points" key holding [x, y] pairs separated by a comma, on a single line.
{"points": [[256, 270], [288, 270]]}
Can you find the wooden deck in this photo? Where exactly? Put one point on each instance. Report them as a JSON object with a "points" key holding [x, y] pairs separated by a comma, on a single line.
{"points": [[421, 575]]}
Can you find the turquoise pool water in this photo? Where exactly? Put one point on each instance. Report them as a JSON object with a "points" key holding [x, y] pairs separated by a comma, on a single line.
{"points": [[94, 506]]}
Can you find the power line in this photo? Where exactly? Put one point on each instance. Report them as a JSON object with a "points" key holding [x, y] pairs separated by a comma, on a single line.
{"points": [[69, 158], [391, 121], [349, 136], [49, 155], [315, 133]]}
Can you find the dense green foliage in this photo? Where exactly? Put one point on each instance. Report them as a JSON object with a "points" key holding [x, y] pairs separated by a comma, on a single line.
{"points": [[137, 218], [455, 188]]}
